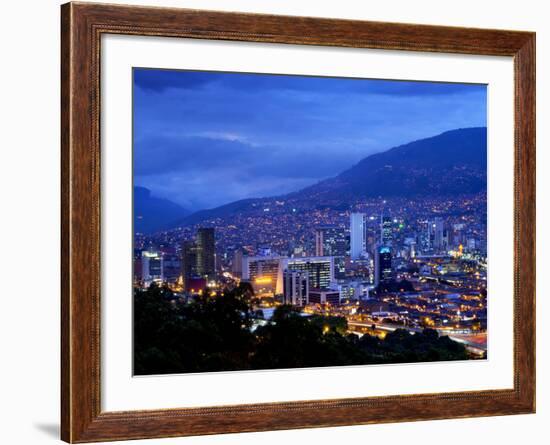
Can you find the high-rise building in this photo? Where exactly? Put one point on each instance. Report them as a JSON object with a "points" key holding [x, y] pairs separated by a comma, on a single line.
{"points": [[151, 267], [171, 267], [383, 272], [198, 258], [386, 235], [295, 287], [339, 268], [438, 227], [263, 273], [266, 273], [206, 253], [320, 270], [457, 235], [238, 256], [357, 235], [189, 269], [332, 241]]}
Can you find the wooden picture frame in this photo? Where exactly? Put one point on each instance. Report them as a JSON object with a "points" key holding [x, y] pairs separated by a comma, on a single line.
{"points": [[82, 26]]}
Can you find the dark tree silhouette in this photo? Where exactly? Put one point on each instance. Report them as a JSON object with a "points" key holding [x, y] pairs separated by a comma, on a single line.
{"points": [[217, 333]]}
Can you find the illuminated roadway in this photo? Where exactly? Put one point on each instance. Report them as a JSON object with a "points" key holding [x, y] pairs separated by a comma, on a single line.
{"points": [[475, 343]]}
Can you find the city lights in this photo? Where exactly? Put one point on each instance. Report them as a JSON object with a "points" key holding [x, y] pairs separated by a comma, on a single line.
{"points": [[289, 245]]}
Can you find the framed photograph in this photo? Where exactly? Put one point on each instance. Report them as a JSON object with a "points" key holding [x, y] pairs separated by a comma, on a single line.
{"points": [[274, 222]]}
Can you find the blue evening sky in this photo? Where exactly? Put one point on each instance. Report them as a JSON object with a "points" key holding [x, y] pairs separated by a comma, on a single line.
{"points": [[204, 139]]}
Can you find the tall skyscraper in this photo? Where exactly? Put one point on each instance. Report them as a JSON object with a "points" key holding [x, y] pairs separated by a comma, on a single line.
{"points": [[438, 234], [320, 269], [188, 262], [206, 253], [386, 235], [198, 258], [295, 287], [332, 241], [383, 272], [357, 235]]}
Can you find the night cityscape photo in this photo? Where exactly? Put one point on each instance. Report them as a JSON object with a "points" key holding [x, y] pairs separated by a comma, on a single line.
{"points": [[296, 221]]}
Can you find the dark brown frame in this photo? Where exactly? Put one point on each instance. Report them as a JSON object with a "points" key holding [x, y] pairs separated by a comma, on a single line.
{"points": [[82, 25]]}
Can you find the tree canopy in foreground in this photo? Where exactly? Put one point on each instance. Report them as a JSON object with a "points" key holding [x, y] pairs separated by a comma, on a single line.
{"points": [[218, 333]]}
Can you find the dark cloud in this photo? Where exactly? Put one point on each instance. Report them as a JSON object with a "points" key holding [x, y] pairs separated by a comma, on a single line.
{"points": [[164, 154], [418, 89], [161, 80], [204, 139], [161, 155]]}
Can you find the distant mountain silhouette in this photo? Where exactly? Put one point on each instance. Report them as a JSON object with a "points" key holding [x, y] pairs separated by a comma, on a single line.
{"points": [[153, 214], [451, 163], [242, 206], [454, 162]]}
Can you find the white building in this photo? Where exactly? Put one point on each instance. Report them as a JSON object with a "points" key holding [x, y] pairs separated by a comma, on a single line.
{"points": [[295, 287], [152, 267], [354, 290], [357, 235], [320, 270], [265, 273]]}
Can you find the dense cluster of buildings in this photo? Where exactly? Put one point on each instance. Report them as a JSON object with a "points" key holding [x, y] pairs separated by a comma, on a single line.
{"points": [[423, 270]]}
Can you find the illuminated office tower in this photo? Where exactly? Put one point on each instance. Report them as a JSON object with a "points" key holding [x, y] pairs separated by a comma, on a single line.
{"points": [[206, 253], [357, 235], [295, 287], [383, 273], [339, 268], [319, 269], [263, 274], [151, 267], [438, 234], [171, 267], [386, 235], [332, 241]]}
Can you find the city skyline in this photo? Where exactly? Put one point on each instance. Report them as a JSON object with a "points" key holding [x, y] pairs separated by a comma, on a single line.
{"points": [[343, 254]]}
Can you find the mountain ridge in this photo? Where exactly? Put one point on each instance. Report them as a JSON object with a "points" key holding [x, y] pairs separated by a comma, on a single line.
{"points": [[407, 170], [152, 214], [450, 163]]}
